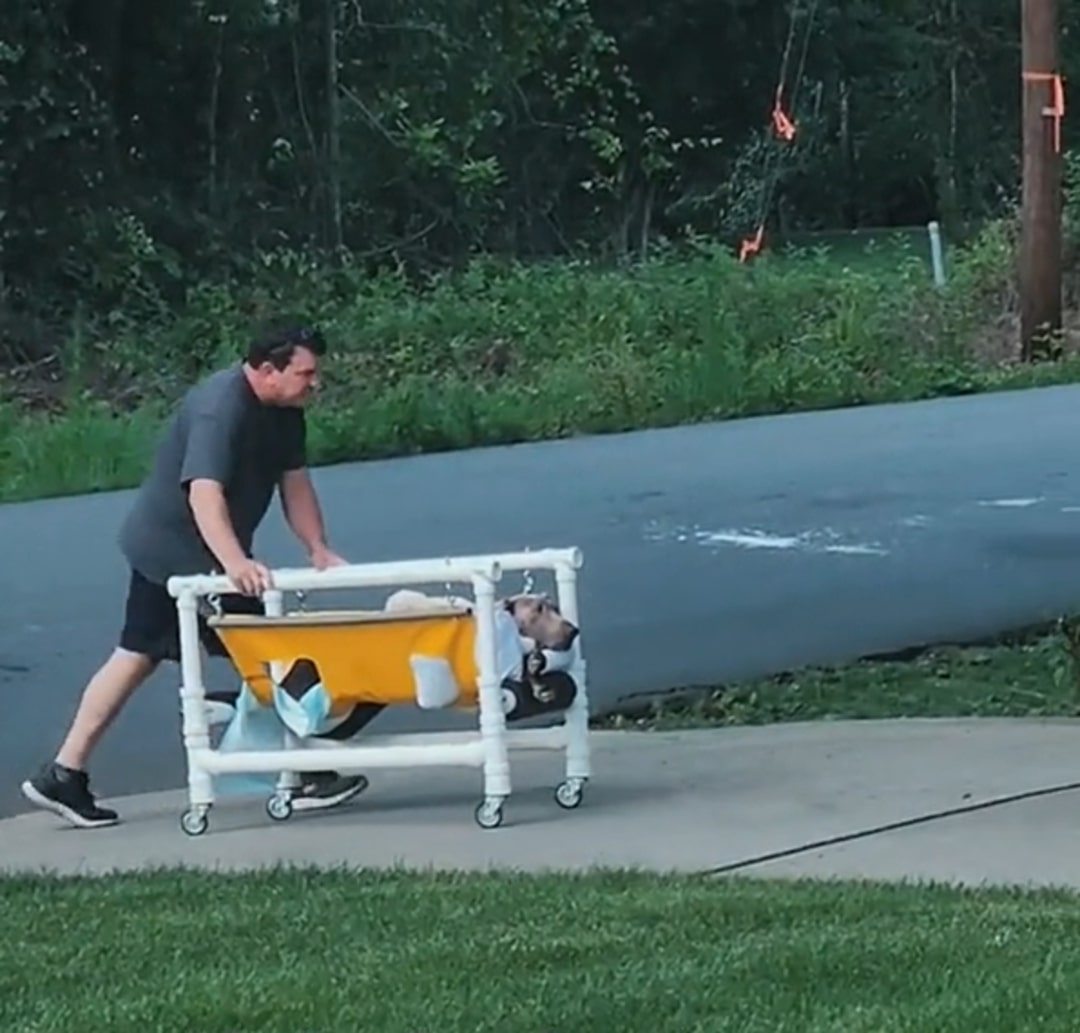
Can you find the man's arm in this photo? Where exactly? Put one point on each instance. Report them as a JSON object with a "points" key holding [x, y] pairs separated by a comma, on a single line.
{"points": [[299, 502], [301, 508], [302, 513], [207, 463], [206, 497]]}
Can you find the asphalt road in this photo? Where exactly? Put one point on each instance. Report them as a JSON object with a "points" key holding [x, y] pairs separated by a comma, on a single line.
{"points": [[711, 552]]}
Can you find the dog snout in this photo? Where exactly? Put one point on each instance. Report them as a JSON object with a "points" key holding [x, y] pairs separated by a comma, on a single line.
{"points": [[569, 636]]}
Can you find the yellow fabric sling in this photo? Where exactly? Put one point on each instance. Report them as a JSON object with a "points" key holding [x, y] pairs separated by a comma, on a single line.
{"points": [[361, 656]]}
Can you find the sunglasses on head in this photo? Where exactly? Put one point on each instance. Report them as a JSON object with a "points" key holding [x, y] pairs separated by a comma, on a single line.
{"points": [[285, 342]]}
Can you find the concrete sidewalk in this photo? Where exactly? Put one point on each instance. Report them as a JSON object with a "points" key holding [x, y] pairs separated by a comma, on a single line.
{"points": [[687, 801]]}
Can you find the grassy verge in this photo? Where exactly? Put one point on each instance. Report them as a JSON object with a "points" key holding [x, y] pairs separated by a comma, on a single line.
{"points": [[497, 354], [290, 951], [1031, 674]]}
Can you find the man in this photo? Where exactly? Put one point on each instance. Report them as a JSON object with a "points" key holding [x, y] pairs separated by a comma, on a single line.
{"points": [[238, 436]]}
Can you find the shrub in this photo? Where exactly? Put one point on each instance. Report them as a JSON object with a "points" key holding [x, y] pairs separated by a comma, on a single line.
{"points": [[505, 352]]}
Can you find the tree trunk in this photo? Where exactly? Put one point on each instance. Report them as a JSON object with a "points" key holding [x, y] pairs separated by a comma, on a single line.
{"points": [[333, 126]]}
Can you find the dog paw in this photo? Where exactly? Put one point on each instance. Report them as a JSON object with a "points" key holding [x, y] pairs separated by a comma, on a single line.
{"points": [[535, 662]]}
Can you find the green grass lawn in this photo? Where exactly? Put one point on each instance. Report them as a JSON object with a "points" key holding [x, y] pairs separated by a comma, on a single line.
{"points": [[298, 952]]}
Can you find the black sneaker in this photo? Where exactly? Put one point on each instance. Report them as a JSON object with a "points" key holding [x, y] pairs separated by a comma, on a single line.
{"points": [[66, 792], [324, 789]]}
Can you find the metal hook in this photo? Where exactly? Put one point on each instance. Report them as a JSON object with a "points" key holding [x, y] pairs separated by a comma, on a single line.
{"points": [[527, 579]]}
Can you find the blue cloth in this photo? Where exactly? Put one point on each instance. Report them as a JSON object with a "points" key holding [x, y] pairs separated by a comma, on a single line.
{"points": [[253, 727]]}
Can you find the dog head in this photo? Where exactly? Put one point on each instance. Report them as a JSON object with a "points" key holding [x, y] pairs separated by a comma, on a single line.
{"points": [[538, 618]]}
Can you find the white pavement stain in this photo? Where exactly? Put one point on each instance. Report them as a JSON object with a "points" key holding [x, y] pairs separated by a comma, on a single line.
{"points": [[824, 540], [1021, 503], [749, 539], [810, 541], [821, 541]]}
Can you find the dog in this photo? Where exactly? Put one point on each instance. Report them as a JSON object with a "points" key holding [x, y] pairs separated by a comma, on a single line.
{"points": [[540, 624], [536, 615]]}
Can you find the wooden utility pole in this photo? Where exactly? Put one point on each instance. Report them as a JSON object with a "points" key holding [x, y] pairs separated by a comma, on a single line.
{"points": [[1040, 249]]}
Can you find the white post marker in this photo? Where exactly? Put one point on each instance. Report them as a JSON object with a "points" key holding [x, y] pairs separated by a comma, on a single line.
{"points": [[937, 258]]}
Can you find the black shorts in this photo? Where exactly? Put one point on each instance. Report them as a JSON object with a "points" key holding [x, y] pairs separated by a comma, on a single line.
{"points": [[152, 624]]}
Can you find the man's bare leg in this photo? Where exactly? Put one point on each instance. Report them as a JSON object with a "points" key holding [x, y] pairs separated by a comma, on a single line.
{"points": [[63, 787], [102, 700]]}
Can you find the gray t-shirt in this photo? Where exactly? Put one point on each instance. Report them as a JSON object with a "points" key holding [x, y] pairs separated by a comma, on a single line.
{"points": [[220, 431]]}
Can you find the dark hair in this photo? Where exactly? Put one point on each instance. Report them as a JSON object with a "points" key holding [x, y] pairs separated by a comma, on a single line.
{"points": [[276, 343]]}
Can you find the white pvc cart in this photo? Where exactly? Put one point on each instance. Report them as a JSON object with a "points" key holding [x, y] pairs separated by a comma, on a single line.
{"points": [[488, 748]]}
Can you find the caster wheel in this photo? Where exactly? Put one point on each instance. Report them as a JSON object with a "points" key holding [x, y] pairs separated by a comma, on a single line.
{"points": [[279, 807], [194, 823], [569, 793], [489, 814]]}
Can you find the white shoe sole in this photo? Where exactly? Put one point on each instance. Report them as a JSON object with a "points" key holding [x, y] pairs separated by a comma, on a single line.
{"points": [[323, 803], [62, 810]]}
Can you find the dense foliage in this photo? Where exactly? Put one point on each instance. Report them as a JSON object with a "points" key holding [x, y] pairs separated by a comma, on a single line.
{"points": [[145, 148]]}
